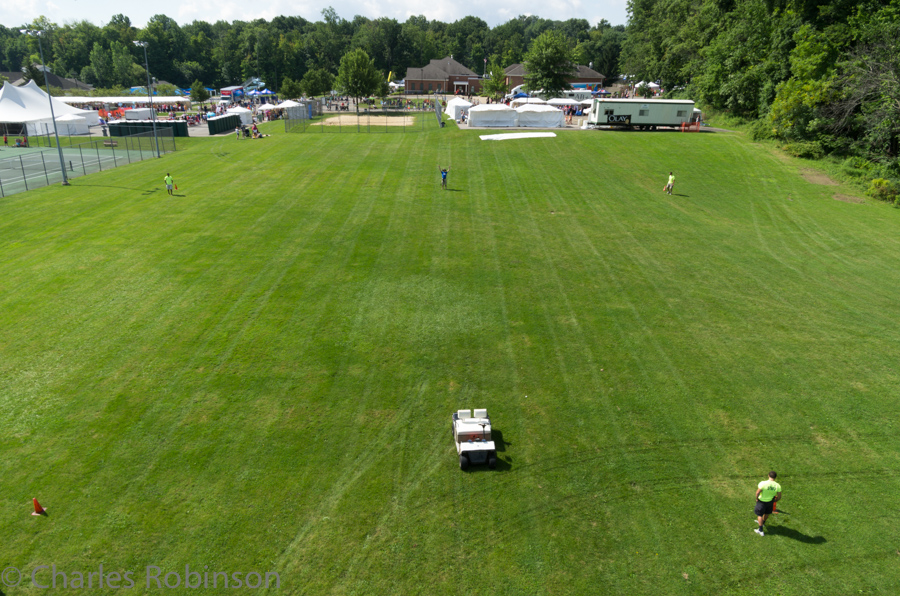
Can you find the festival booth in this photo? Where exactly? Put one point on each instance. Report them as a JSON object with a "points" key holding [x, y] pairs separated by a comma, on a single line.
{"points": [[540, 116], [456, 107], [492, 115], [245, 115], [29, 106]]}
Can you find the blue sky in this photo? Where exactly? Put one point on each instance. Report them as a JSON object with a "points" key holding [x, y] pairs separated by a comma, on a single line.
{"points": [[15, 13]]}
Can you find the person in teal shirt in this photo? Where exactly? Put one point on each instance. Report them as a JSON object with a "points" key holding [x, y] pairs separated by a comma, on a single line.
{"points": [[768, 492]]}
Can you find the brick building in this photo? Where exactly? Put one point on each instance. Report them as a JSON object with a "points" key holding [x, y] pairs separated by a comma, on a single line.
{"points": [[584, 76], [445, 76]]}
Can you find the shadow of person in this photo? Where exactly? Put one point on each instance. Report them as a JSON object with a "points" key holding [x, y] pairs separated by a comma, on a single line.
{"points": [[795, 535]]}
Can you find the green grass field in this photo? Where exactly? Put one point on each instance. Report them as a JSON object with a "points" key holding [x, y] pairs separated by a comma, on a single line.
{"points": [[258, 373]]}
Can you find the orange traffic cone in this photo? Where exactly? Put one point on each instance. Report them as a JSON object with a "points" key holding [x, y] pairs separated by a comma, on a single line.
{"points": [[38, 510], [775, 507]]}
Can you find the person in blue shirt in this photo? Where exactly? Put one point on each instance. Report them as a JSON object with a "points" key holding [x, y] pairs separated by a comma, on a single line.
{"points": [[444, 177]]}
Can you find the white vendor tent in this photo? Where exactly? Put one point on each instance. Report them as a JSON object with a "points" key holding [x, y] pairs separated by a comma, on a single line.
{"points": [[70, 124], [245, 114], [290, 103], [492, 114], [264, 107], [29, 104], [526, 100], [538, 116], [139, 114], [456, 107]]}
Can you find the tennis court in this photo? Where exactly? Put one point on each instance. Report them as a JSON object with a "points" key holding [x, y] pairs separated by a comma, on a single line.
{"points": [[23, 169]]}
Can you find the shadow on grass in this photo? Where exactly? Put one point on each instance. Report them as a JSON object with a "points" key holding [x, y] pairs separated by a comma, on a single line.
{"points": [[143, 190], [678, 195], [795, 535], [453, 189]]}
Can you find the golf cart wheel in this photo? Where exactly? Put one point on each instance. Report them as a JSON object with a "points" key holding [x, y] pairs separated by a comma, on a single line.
{"points": [[492, 462], [463, 462]]}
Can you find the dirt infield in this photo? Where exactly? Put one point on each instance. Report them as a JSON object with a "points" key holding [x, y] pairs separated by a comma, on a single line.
{"points": [[369, 119]]}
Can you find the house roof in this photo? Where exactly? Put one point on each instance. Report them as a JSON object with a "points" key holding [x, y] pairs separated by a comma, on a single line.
{"points": [[439, 70], [581, 71], [16, 78], [65, 83]]}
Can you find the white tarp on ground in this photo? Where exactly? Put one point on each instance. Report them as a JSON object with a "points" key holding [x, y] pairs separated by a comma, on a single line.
{"points": [[517, 135], [245, 114], [456, 107], [29, 103], [540, 116], [70, 124], [492, 114], [139, 114]]}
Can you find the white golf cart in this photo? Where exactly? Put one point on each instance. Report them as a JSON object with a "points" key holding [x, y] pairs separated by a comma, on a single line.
{"points": [[472, 435]]}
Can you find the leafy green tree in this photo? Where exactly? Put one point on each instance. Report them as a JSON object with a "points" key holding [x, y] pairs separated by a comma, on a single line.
{"points": [[357, 76], [291, 89], [495, 86], [549, 64], [102, 66], [317, 82], [199, 93]]}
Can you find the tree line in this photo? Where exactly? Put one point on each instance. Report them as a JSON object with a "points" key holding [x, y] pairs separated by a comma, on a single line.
{"points": [[821, 77], [221, 54]]}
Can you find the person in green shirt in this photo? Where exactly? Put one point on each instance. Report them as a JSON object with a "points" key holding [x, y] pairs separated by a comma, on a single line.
{"points": [[768, 492], [169, 183], [671, 183]]}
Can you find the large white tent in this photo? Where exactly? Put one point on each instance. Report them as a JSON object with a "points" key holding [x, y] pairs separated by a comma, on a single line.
{"points": [[139, 114], [492, 115], [540, 116], [29, 104], [456, 107]]}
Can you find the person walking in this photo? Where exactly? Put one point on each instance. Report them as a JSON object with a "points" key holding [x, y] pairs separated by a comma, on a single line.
{"points": [[671, 184], [768, 492], [444, 177], [170, 183]]}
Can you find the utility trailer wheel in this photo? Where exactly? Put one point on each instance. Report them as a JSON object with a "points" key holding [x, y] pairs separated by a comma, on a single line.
{"points": [[463, 462]]}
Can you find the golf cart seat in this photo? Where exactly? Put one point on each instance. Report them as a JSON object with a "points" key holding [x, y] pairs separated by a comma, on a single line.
{"points": [[463, 414], [481, 413]]}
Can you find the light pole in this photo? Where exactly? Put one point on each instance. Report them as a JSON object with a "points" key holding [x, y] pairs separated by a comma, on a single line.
{"points": [[62, 165], [144, 45]]}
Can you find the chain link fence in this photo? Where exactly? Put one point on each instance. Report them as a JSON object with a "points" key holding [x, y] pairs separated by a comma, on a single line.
{"points": [[38, 163], [392, 115]]}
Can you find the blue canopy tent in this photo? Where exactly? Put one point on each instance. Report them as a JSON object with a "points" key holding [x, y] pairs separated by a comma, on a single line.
{"points": [[520, 94]]}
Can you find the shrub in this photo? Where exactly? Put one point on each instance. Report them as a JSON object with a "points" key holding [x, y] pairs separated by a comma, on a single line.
{"points": [[883, 190], [761, 129], [805, 149]]}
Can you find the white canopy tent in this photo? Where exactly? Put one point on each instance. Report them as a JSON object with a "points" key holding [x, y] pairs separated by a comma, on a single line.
{"points": [[558, 101], [125, 100], [456, 107], [139, 114], [245, 114], [265, 106], [526, 100], [492, 115], [289, 103], [29, 104], [538, 116], [70, 125], [643, 83]]}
